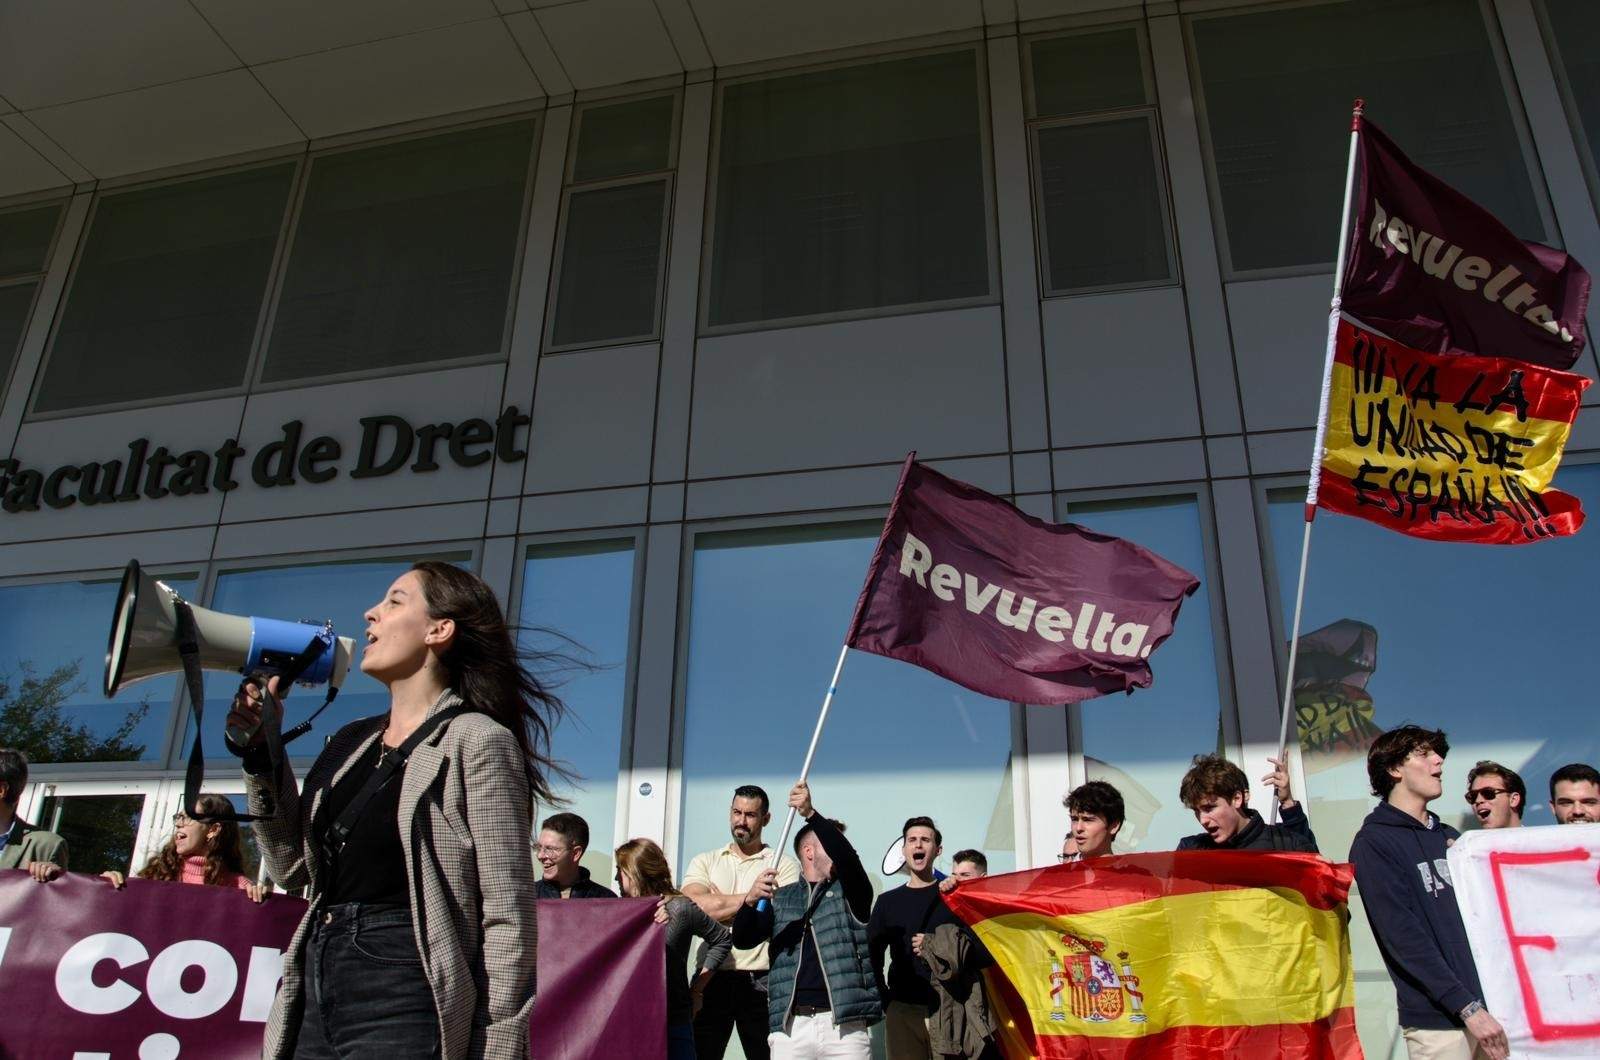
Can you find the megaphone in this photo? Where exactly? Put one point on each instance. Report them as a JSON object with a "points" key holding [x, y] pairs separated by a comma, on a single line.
{"points": [[144, 641]]}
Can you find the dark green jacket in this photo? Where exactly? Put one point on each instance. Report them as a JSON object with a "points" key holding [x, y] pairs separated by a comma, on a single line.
{"points": [[841, 939]]}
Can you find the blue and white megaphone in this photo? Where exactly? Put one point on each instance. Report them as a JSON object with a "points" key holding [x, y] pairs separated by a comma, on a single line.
{"points": [[144, 641]]}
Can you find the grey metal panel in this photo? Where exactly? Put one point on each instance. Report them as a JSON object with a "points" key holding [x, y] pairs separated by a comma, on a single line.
{"points": [[808, 491], [581, 510], [1281, 453], [1119, 368], [848, 393], [1197, 247], [666, 502], [1227, 456], [31, 353], [674, 398], [592, 419], [1030, 472], [502, 520], [1585, 430], [496, 567], [1019, 261], [649, 772], [48, 444], [533, 284], [1280, 336], [336, 411], [367, 529], [1249, 633], [1558, 152], [1120, 465], [106, 551]]}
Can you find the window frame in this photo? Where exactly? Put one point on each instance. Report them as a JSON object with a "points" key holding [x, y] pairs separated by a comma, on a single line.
{"points": [[258, 337], [280, 272], [871, 515], [635, 537], [1588, 154], [37, 277], [1211, 577], [153, 790], [1228, 8], [172, 730], [703, 326]]}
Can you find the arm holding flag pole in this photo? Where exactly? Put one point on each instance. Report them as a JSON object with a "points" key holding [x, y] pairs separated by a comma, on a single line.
{"points": [[1321, 436]]}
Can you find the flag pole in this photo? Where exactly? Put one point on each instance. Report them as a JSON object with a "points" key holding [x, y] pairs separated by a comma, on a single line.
{"points": [[811, 752], [1321, 438]]}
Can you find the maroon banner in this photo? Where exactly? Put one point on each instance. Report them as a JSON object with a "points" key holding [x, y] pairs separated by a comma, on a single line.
{"points": [[1432, 269], [165, 970], [969, 587], [602, 980], [171, 970]]}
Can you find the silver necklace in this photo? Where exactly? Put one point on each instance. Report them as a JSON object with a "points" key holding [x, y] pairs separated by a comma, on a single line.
{"points": [[383, 748]]}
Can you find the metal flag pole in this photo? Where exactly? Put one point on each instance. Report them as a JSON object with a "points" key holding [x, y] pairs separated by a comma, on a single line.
{"points": [[1321, 439]]}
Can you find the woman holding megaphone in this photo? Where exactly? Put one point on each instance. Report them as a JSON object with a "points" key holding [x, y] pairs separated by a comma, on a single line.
{"points": [[411, 834]]}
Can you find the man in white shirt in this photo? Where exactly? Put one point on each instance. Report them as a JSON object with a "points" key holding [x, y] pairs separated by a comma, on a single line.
{"points": [[718, 880]]}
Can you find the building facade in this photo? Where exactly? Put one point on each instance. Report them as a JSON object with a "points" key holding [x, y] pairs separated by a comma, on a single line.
{"points": [[635, 308]]}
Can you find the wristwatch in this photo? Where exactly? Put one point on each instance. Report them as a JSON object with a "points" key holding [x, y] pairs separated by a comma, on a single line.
{"points": [[1470, 1011]]}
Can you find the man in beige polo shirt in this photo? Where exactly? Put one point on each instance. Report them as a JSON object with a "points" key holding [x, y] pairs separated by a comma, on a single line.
{"points": [[718, 880]]}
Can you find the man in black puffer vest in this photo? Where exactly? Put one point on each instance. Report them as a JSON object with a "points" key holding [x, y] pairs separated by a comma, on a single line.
{"points": [[822, 995], [1218, 791]]}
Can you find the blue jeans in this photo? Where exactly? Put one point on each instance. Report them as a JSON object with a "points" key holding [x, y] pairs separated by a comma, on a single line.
{"points": [[680, 1041], [366, 995]]}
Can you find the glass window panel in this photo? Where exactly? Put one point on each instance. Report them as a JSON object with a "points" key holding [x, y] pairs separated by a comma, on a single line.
{"points": [[609, 260], [25, 239], [101, 830], [1087, 72], [403, 254], [576, 603], [52, 669], [168, 290], [1143, 744], [1278, 85], [624, 138], [1103, 214], [1571, 23], [850, 188], [768, 614], [342, 592], [15, 302], [1449, 655]]}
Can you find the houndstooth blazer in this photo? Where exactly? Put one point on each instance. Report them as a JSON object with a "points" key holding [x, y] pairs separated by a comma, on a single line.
{"points": [[465, 828]]}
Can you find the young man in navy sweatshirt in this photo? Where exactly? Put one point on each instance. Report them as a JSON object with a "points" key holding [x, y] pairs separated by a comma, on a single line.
{"points": [[1405, 885]]}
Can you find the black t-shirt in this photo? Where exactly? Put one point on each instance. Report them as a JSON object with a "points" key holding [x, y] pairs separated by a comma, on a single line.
{"points": [[898, 915], [372, 865]]}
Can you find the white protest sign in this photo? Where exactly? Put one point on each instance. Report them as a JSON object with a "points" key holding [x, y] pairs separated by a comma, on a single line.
{"points": [[1530, 898]]}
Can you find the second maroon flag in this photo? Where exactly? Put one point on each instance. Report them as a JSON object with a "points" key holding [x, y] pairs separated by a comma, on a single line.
{"points": [[1008, 605]]}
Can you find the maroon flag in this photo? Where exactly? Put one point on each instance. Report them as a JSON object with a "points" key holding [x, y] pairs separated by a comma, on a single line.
{"points": [[602, 981], [1010, 606], [1432, 269]]}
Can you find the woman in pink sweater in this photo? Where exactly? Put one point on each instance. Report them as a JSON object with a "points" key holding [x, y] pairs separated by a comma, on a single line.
{"points": [[201, 852]]}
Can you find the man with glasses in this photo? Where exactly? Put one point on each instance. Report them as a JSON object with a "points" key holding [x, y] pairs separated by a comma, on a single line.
{"points": [[1404, 880], [563, 837], [1496, 795]]}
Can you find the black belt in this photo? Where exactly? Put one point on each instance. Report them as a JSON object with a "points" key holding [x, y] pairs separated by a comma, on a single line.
{"points": [[810, 1010], [759, 974]]}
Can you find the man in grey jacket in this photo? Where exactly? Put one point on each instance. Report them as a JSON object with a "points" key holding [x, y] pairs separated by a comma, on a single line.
{"points": [[22, 846]]}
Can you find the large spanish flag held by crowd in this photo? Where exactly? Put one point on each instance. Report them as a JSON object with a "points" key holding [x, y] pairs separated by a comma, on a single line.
{"points": [[1447, 447], [1178, 955]]}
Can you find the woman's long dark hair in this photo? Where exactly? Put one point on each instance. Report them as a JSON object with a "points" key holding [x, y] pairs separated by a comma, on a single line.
{"points": [[224, 858], [487, 670]]}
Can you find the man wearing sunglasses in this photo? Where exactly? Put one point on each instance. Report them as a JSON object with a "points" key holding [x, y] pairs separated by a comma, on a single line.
{"points": [[1496, 795]]}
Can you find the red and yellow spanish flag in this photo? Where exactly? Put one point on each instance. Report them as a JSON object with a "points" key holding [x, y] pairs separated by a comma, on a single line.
{"points": [[1188, 954], [1447, 446]]}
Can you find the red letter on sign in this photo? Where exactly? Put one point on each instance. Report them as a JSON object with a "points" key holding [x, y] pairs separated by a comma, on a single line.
{"points": [[1542, 1031]]}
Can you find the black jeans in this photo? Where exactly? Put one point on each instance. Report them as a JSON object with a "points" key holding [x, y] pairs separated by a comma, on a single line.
{"points": [[733, 999], [366, 995]]}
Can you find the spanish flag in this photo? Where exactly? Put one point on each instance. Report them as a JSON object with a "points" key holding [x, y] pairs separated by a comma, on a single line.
{"points": [[1448, 447], [1187, 954]]}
